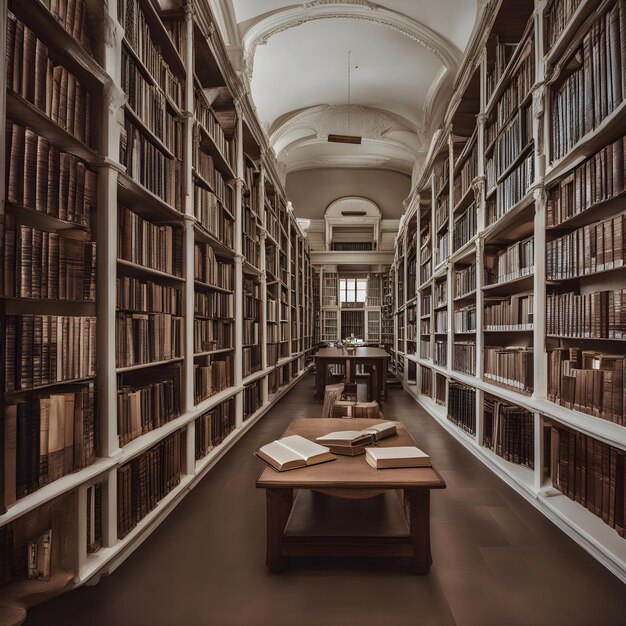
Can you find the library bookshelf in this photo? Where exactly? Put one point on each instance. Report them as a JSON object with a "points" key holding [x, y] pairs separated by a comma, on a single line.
{"points": [[520, 268], [157, 290]]}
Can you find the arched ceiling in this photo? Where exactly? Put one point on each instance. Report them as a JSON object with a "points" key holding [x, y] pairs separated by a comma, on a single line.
{"points": [[404, 56]]}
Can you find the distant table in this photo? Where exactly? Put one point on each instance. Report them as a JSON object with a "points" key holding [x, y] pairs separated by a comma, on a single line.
{"points": [[354, 509], [376, 357]]}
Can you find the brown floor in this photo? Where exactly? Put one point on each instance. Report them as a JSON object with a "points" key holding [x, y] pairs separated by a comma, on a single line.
{"points": [[496, 559]]}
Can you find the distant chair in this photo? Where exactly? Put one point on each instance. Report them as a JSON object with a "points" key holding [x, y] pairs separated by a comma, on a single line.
{"points": [[332, 393]]}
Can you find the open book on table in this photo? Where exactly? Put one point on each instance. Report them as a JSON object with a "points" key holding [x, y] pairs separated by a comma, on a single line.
{"points": [[292, 452], [367, 436]]}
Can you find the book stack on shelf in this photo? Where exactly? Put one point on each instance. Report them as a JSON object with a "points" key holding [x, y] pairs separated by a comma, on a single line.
{"points": [[251, 348], [213, 426], [462, 406], [251, 399]]}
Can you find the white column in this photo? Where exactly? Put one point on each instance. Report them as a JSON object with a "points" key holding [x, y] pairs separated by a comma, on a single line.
{"points": [[238, 355]]}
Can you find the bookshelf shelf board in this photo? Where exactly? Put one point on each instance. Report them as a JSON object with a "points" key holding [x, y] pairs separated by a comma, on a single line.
{"points": [[588, 530], [610, 127], [208, 403], [147, 132], [470, 295], [425, 316], [210, 352], [587, 215], [208, 145], [141, 200], [440, 369], [464, 332], [142, 270], [56, 488], [516, 161], [250, 269], [441, 305], [256, 376], [440, 270], [73, 381], [24, 113], [491, 329], [517, 213], [204, 182], [66, 49], [558, 281], [199, 284], [43, 220], [412, 301], [141, 366], [202, 235], [462, 156], [572, 338], [507, 287], [466, 200], [441, 228]]}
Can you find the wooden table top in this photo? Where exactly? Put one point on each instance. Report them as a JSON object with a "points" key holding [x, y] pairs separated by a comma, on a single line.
{"points": [[350, 472], [362, 352]]}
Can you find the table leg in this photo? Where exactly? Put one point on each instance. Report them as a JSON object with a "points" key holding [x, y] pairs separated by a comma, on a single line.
{"points": [[278, 505], [320, 378], [417, 510]]}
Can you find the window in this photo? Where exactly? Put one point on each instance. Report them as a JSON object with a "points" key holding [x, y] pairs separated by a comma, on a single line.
{"points": [[352, 290]]}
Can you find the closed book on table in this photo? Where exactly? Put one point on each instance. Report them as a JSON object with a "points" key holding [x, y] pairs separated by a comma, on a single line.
{"points": [[395, 457], [358, 437]]}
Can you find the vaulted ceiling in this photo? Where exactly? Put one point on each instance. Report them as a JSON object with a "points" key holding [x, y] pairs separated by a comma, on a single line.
{"points": [[403, 54]]}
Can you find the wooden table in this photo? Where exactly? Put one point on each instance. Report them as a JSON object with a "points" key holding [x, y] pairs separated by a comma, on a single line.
{"points": [[376, 357], [389, 512]]}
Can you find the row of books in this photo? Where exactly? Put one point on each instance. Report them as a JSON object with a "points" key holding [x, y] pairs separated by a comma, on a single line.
{"points": [[251, 399], [48, 86], [214, 304], [213, 427], [509, 313], [514, 261], [462, 406], [516, 92], [587, 381], [590, 472], [469, 171], [465, 226], [150, 245], [211, 269], [425, 326], [426, 381], [47, 437], [502, 54], [94, 518], [424, 348], [177, 31], [510, 367], [465, 281], [464, 357], [251, 249], [512, 189], [43, 178], [145, 480], [213, 377], [441, 174], [556, 17], [206, 118], [272, 352], [441, 352], [465, 319], [47, 349], [587, 250], [143, 408], [598, 179], [510, 143], [440, 389], [46, 266], [509, 431], [148, 102], [74, 17], [142, 338], [426, 271], [251, 299], [138, 36], [426, 304], [250, 332], [443, 248], [441, 293], [150, 167], [442, 210], [598, 314], [593, 89], [138, 295], [441, 321], [212, 334]]}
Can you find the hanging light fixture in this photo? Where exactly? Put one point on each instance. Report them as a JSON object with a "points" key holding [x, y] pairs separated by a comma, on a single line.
{"points": [[346, 138]]}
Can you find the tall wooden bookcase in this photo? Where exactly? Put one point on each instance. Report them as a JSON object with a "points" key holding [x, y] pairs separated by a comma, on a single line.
{"points": [[203, 298], [519, 222]]}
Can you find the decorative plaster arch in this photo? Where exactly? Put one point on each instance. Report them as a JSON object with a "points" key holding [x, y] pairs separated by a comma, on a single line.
{"points": [[280, 21], [334, 216]]}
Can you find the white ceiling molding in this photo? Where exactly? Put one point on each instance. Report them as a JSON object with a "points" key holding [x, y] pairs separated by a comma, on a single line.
{"points": [[352, 203], [282, 20]]}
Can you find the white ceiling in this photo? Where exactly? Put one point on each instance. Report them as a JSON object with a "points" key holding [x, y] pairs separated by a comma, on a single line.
{"points": [[404, 55]]}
